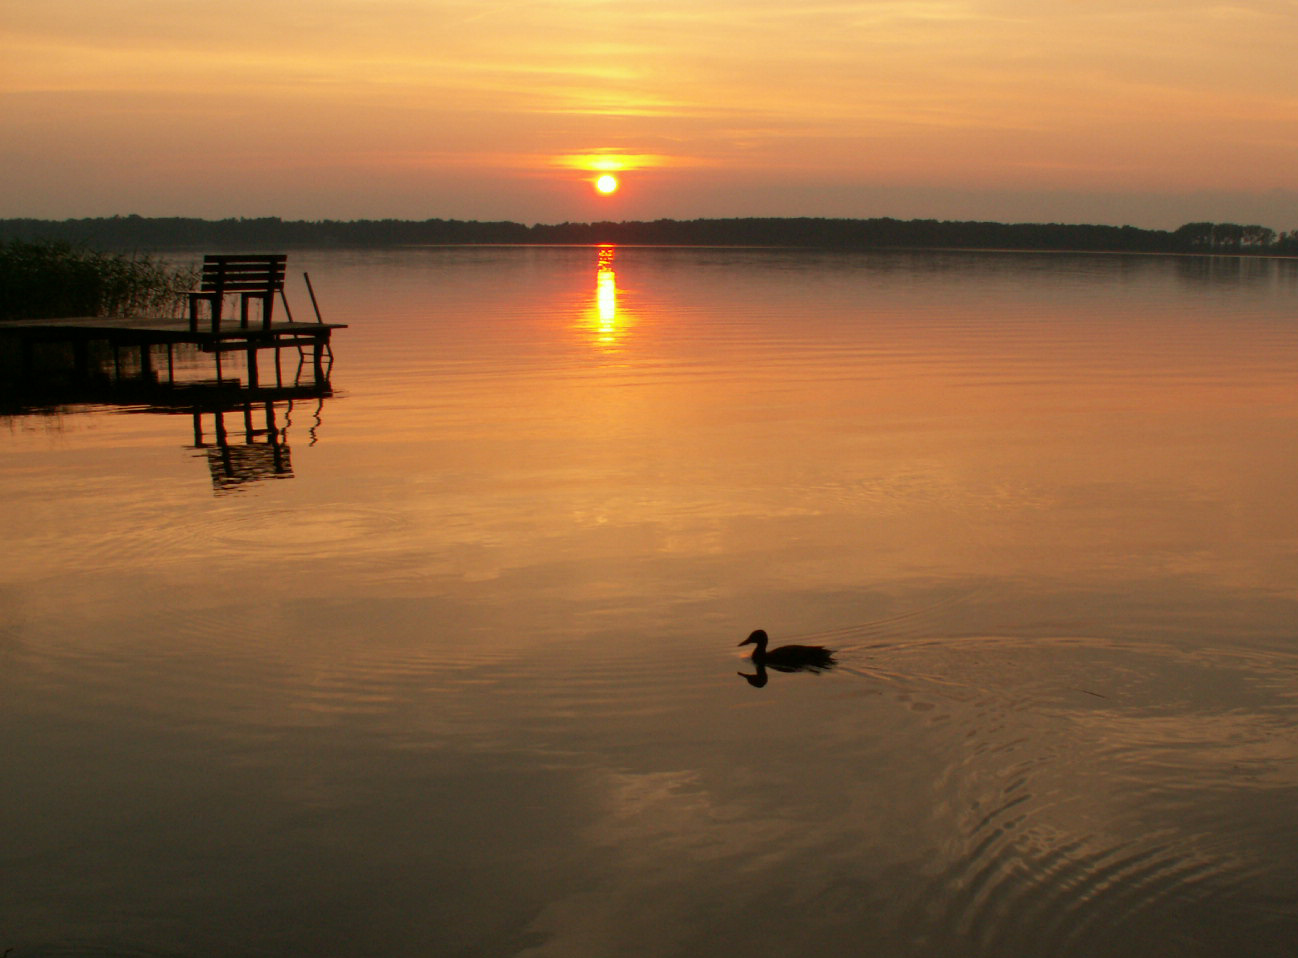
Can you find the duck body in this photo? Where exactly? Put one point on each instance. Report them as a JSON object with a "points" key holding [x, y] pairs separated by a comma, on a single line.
{"points": [[789, 658]]}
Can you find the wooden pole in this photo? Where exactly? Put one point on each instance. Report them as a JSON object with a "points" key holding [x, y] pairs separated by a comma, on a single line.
{"points": [[284, 299], [314, 305]]}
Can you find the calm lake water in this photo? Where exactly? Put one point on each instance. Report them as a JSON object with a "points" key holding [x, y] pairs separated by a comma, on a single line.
{"points": [[452, 669]]}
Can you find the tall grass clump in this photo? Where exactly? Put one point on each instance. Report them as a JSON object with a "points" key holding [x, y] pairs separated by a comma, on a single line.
{"points": [[45, 280]]}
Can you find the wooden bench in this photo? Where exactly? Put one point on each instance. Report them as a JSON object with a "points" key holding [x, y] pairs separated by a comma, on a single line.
{"points": [[253, 276]]}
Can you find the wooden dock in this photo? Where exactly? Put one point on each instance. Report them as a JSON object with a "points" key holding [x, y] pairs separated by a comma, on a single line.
{"points": [[311, 340], [131, 362]]}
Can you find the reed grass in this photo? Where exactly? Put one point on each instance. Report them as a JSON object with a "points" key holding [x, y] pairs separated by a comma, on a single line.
{"points": [[45, 280]]}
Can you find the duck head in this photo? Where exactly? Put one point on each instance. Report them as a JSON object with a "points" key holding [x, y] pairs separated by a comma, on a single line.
{"points": [[758, 638]]}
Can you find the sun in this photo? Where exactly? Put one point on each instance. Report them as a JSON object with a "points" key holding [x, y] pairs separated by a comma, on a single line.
{"points": [[606, 184]]}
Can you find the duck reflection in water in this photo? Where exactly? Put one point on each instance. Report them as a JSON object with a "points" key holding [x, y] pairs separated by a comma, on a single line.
{"points": [[785, 658]]}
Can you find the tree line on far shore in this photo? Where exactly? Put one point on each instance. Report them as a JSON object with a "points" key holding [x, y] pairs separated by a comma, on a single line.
{"points": [[149, 233]]}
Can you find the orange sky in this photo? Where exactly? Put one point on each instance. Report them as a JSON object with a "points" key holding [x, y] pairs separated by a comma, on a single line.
{"points": [[1153, 113]]}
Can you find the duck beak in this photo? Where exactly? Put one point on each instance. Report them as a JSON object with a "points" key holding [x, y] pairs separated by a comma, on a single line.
{"points": [[747, 641]]}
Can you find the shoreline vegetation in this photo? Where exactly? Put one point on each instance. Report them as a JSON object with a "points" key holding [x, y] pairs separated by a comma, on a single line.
{"points": [[182, 233], [52, 279]]}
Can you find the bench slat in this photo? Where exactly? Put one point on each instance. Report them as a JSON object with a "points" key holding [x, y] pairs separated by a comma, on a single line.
{"points": [[242, 266], [230, 286], [237, 268]]}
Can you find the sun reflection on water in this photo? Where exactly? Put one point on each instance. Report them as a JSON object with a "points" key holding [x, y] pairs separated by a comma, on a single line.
{"points": [[603, 317]]}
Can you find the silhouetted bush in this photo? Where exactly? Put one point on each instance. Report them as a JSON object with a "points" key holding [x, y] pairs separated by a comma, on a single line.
{"points": [[47, 279]]}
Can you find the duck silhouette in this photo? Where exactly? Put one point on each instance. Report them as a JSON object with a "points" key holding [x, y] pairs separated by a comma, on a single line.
{"points": [[785, 658]]}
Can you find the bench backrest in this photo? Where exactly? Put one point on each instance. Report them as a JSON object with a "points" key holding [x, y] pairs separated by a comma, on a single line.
{"points": [[243, 272]]}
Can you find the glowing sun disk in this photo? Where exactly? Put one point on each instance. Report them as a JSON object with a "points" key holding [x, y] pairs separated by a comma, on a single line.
{"points": [[606, 184]]}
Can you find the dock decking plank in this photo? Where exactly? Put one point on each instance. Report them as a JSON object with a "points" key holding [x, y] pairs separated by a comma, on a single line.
{"points": [[166, 329]]}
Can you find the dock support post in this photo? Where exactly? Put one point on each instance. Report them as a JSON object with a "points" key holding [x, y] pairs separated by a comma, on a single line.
{"points": [[26, 359], [223, 442], [272, 431], [81, 359], [318, 358]]}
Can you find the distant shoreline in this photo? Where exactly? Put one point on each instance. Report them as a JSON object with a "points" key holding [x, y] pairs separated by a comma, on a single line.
{"points": [[182, 233]]}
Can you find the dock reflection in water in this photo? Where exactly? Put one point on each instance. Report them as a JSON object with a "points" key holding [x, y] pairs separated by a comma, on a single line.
{"points": [[256, 448], [251, 447]]}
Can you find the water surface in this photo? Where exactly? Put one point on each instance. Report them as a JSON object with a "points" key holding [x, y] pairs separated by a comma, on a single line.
{"points": [[452, 670]]}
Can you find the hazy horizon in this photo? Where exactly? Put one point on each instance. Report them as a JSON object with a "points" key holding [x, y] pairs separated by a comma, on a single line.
{"points": [[1173, 223], [1159, 212], [936, 109]]}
